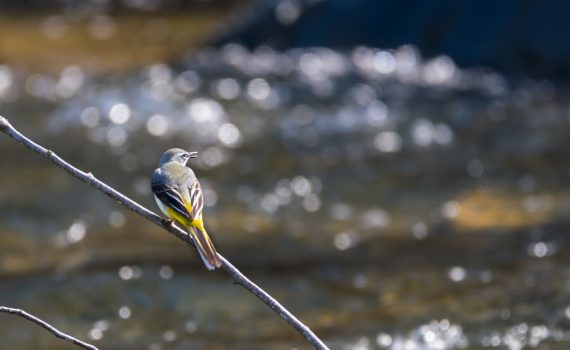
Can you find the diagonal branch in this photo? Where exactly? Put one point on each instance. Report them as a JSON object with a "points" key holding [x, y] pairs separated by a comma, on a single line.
{"points": [[59, 334], [237, 276]]}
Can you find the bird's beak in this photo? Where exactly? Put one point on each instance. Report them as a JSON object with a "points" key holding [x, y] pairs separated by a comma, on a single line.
{"points": [[192, 155]]}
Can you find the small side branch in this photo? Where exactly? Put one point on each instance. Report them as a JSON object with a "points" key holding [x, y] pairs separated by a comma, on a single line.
{"points": [[59, 334], [237, 276]]}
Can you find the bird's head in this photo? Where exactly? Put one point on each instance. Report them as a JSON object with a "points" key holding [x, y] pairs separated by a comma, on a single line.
{"points": [[177, 155]]}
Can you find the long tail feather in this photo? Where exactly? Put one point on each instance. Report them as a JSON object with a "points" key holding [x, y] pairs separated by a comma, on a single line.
{"points": [[205, 247]]}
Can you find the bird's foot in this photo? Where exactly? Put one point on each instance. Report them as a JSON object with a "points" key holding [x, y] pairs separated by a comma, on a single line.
{"points": [[168, 222]]}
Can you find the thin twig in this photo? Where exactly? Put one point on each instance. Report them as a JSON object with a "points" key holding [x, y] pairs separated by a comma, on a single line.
{"points": [[237, 276], [59, 334]]}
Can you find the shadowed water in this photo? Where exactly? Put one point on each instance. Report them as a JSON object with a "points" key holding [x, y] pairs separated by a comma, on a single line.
{"points": [[390, 202]]}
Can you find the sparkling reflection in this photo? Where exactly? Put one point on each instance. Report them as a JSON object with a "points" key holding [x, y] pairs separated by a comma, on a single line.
{"points": [[366, 163], [436, 335]]}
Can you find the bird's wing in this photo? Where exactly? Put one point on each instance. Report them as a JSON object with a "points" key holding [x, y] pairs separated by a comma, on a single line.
{"points": [[196, 202], [170, 196]]}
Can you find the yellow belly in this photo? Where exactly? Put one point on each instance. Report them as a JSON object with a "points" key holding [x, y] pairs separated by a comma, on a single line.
{"points": [[172, 214]]}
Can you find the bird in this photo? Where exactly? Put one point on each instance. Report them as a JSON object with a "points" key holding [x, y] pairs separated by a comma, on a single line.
{"points": [[179, 196]]}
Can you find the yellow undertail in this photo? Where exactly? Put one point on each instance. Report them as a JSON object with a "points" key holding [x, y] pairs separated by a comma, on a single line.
{"points": [[201, 239], [205, 246]]}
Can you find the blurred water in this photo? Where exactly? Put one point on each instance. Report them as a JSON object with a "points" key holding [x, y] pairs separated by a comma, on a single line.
{"points": [[425, 205]]}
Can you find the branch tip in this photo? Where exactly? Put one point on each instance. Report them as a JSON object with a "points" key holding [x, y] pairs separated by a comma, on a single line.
{"points": [[4, 123], [56, 332]]}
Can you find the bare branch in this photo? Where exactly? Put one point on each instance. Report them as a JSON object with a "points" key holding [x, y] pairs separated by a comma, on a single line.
{"points": [[59, 334], [237, 276]]}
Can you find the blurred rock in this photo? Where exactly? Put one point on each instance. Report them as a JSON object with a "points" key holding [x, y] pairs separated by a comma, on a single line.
{"points": [[518, 38]]}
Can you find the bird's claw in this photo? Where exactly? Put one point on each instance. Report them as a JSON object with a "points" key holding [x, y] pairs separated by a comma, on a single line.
{"points": [[168, 222]]}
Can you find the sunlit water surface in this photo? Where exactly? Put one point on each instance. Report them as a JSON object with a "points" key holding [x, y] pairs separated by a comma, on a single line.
{"points": [[391, 202]]}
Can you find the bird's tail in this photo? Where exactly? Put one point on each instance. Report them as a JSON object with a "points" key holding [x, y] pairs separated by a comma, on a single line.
{"points": [[205, 246]]}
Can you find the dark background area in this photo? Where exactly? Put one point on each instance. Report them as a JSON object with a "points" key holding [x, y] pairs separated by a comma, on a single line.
{"points": [[518, 38]]}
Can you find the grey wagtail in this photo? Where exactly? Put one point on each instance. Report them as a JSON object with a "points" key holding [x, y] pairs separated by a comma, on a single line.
{"points": [[179, 196]]}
